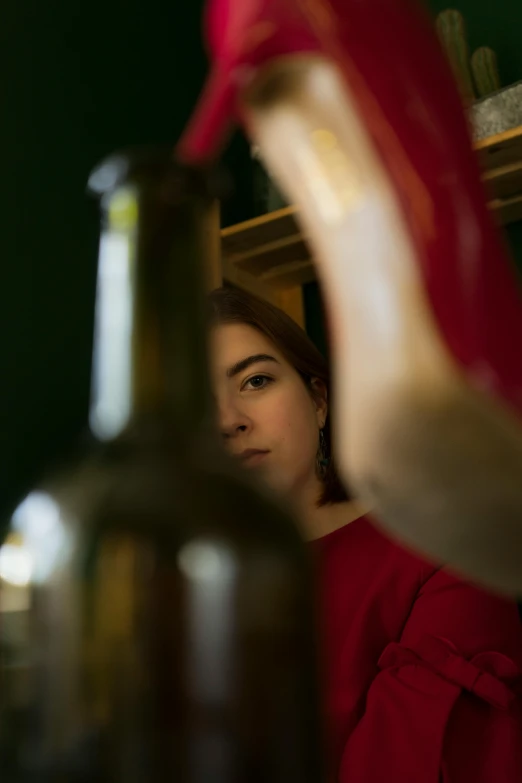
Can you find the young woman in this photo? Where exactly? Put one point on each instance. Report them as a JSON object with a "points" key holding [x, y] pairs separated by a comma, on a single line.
{"points": [[424, 671]]}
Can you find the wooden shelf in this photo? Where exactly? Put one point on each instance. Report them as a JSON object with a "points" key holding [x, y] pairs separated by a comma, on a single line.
{"points": [[269, 254]]}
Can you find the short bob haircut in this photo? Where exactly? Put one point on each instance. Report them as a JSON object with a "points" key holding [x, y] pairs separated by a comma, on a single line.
{"points": [[229, 305]]}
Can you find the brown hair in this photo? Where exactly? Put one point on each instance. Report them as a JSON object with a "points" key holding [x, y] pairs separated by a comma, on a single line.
{"points": [[230, 305]]}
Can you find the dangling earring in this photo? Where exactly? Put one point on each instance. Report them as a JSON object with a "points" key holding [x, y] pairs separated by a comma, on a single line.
{"points": [[322, 458]]}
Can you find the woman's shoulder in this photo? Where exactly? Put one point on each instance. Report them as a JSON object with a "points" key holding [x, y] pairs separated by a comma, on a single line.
{"points": [[362, 551]]}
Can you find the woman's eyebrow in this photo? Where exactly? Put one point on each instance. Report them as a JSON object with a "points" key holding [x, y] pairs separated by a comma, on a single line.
{"points": [[244, 364]]}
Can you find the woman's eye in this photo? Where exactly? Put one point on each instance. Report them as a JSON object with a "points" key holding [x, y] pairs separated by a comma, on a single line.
{"points": [[257, 382]]}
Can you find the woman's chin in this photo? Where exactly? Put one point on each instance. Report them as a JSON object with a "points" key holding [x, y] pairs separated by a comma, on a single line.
{"points": [[272, 478]]}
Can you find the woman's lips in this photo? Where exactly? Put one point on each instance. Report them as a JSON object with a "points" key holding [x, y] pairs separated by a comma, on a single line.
{"points": [[252, 457]]}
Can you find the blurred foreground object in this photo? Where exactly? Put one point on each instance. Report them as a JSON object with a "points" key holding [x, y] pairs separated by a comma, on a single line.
{"points": [[167, 624], [363, 128]]}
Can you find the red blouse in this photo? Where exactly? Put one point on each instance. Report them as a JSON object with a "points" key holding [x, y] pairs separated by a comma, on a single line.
{"points": [[422, 670]]}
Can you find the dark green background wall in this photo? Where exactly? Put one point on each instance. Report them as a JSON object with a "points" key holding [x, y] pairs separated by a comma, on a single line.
{"points": [[79, 79]]}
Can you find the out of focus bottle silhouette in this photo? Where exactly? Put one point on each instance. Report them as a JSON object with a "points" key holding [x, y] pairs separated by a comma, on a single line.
{"points": [[166, 625]]}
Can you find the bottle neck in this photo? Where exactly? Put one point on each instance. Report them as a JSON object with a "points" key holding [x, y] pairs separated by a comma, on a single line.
{"points": [[150, 357]]}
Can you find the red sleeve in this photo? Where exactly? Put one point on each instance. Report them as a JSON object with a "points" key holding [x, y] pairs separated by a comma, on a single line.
{"points": [[444, 706]]}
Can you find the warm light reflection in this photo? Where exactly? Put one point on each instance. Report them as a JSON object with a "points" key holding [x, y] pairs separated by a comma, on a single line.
{"points": [[338, 166], [42, 537], [331, 176], [16, 564]]}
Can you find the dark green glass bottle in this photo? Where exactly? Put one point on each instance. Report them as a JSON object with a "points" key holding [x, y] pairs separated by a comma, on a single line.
{"points": [[167, 604]]}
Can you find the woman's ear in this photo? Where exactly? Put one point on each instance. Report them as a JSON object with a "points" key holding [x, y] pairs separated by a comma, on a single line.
{"points": [[320, 398]]}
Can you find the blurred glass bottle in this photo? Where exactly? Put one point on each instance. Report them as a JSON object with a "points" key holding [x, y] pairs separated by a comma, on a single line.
{"points": [[168, 625]]}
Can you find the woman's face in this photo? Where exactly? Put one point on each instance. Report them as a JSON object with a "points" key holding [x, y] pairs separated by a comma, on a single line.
{"points": [[268, 418]]}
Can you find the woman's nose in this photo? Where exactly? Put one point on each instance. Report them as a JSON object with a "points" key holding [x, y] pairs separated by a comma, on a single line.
{"points": [[231, 420]]}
